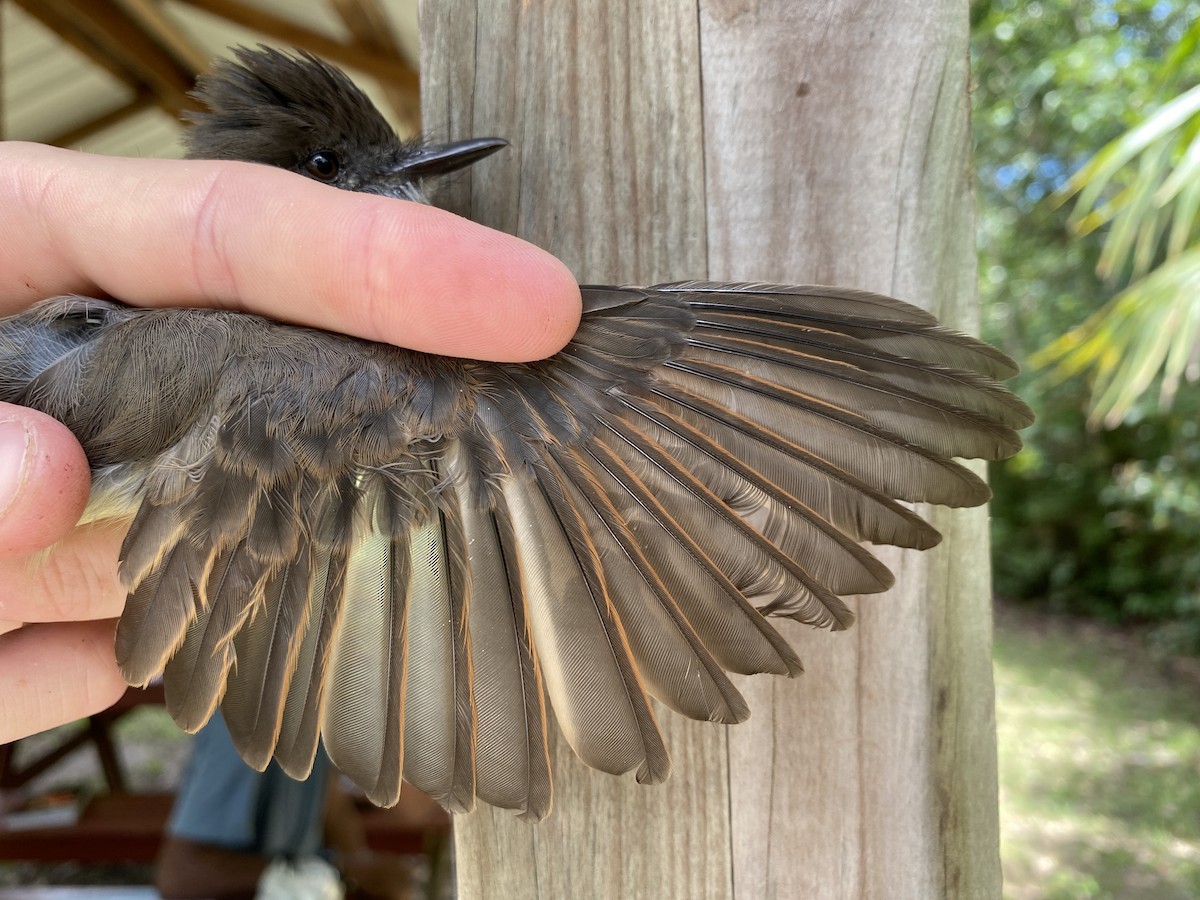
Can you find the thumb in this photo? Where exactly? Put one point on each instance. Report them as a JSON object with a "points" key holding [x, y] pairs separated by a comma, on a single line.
{"points": [[44, 481]]}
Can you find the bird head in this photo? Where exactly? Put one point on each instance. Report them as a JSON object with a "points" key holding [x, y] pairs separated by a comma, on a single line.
{"points": [[298, 112]]}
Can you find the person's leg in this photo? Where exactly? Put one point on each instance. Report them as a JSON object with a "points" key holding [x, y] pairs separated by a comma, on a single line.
{"points": [[186, 870]]}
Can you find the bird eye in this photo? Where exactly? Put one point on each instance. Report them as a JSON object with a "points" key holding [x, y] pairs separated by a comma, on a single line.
{"points": [[322, 165]]}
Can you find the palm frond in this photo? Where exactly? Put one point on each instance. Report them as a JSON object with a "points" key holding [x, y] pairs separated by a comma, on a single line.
{"points": [[1146, 186], [1149, 329]]}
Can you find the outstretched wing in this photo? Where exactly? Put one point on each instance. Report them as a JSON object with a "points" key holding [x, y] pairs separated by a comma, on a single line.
{"points": [[700, 454], [408, 555]]}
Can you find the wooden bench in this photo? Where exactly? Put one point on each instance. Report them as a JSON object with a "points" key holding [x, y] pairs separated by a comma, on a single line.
{"points": [[98, 733], [123, 826], [85, 892]]}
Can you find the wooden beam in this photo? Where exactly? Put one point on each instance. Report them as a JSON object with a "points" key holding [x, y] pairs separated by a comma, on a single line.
{"points": [[149, 14], [107, 34], [609, 176], [369, 25], [80, 133], [66, 30], [386, 68], [125, 39]]}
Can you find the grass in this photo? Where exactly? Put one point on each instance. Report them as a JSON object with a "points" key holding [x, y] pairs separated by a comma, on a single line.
{"points": [[1099, 764]]}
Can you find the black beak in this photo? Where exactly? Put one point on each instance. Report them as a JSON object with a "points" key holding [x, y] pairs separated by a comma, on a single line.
{"points": [[439, 159]]}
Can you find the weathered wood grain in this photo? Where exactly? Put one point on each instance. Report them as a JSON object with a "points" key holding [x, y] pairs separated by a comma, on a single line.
{"points": [[837, 138], [602, 104], [821, 141]]}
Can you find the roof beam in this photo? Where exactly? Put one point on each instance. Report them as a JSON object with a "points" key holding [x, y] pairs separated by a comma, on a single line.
{"points": [[106, 33], [369, 25], [81, 133], [64, 29], [389, 69], [150, 15]]}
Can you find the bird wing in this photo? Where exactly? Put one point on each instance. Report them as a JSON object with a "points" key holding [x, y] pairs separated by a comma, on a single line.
{"points": [[413, 564]]}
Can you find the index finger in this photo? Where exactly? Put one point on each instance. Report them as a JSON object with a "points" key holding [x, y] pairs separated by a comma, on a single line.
{"points": [[201, 233]]}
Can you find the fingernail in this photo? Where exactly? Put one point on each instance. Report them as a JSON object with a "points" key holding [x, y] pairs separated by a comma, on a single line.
{"points": [[14, 448]]}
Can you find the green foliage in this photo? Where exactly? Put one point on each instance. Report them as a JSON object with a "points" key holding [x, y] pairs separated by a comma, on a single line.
{"points": [[1104, 523], [1099, 522], [1146, 186]]}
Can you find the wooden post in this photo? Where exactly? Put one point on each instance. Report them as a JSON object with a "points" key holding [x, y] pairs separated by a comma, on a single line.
{"points": [[823, 141]]}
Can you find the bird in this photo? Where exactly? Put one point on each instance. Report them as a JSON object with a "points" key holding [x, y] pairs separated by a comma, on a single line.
{"points": [[422, 562]]}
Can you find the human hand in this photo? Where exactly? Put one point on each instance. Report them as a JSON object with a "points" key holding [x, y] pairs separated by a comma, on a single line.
{"points": [[230, 235]]}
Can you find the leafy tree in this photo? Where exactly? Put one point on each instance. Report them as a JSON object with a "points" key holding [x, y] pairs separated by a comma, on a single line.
{"points": [[1108, 522], [1146, 185]]}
